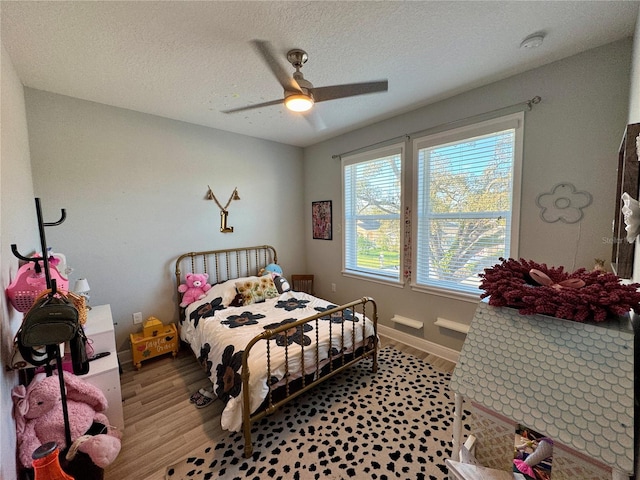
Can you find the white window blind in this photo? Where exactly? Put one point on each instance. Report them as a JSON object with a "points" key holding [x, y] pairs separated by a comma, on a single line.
{"points": [[372, 191], [466, 203]]}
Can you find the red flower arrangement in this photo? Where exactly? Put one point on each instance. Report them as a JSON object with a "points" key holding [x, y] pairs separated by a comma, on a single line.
{"points": [[580, 296]]}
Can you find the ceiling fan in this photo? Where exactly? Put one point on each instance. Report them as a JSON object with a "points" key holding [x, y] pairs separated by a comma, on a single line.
{"points": [[299, 94]]}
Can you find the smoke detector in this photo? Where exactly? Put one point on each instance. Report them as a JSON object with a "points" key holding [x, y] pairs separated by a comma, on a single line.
{"points": [[533, 41]]}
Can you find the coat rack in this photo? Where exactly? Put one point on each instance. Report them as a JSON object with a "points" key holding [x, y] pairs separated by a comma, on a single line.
{"points": [[51, 284], [52, 350]]}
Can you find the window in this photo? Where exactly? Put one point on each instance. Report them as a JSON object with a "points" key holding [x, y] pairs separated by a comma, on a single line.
{"points": [[372, 189], [467, 189]]}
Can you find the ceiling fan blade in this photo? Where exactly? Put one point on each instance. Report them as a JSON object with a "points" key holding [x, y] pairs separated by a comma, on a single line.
{"points": [[322, 94], [265, 50], [255, 105], [315, 120]]}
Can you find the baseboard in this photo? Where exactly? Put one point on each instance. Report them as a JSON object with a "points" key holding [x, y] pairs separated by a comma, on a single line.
{"points": [[419, 343], [125, 357]]}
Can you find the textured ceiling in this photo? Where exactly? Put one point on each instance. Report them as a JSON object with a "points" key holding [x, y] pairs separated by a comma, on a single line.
{"points": [[190, 60]]}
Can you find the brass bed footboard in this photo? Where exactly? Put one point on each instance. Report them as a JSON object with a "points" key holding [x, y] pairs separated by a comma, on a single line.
{"points": [[335, 363]]}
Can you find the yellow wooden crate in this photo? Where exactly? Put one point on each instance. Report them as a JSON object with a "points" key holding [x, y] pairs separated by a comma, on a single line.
{"points": [[146, 347]]}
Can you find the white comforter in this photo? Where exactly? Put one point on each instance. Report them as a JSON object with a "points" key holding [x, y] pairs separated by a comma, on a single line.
{"points": [[219, 339]]}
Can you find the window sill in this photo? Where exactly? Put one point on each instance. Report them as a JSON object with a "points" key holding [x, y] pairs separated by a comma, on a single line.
{"points": [[371, 278], [443, 292]]}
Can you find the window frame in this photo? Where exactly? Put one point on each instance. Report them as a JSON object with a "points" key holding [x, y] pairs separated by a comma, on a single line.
{"points": [[398, 148], [515, 121]]}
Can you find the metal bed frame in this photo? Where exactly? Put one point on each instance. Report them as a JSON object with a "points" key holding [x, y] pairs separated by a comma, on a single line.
{"points": [[222, 265]]}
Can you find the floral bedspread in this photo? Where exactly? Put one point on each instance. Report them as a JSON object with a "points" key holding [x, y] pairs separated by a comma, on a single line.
{"points": [[218, 336]]}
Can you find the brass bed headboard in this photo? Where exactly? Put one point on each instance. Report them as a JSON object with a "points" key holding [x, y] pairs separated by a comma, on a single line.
{"points": [[222, 265]]}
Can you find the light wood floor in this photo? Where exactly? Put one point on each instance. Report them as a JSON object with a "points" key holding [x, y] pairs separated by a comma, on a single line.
{"points": [[162, 427]]}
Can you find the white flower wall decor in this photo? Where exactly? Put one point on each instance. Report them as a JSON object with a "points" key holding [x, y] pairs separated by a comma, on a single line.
{"points": [[563, 203]]}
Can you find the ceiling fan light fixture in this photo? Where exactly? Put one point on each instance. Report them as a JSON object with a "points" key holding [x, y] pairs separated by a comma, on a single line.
{"points": [[298, 102]]}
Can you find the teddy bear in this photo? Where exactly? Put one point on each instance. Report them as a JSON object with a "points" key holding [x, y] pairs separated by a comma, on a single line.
{"points": [[39, 418], [194, 288]]}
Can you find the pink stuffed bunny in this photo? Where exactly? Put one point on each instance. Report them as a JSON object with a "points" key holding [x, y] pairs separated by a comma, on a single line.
{"points": [[194, 288], [39, 419]]}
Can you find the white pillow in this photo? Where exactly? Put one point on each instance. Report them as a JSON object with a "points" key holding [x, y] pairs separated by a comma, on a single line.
{"points": [[225, 290]]}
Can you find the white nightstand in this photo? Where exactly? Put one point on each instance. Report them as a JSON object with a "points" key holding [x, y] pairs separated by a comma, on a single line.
{"points": [[104, 372]]}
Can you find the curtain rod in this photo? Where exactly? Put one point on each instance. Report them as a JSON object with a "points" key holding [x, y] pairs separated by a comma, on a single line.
{"points": [[528, 104]]}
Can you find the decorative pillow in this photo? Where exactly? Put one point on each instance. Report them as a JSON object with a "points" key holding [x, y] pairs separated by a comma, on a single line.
{"points": [[226, 290], [256, 291], [282, 284], [217, 291]]}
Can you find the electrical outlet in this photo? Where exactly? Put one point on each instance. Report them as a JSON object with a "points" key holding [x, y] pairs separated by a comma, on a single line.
{"points": [[333, 287], [137, 317]]}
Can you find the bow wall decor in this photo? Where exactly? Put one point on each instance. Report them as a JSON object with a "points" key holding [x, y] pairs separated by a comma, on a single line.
{"points": [[224, 213]]}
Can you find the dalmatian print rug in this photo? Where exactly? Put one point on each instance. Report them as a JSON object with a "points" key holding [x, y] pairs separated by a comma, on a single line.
{"points": [[395, 424]]}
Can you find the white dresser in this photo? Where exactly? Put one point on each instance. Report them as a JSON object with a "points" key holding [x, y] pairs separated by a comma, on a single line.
{"points": [[104, 372]]}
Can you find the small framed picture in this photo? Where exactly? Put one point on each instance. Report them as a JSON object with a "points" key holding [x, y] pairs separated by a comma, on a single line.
{"points": [[321, 218]]}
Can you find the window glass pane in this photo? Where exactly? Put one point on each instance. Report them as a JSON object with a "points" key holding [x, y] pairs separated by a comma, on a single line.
{"points": [[452, 261], [372, 199], [464, 207]]}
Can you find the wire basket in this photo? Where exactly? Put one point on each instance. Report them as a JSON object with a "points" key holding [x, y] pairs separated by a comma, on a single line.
{"points": [[78, 301], [29, 283]]}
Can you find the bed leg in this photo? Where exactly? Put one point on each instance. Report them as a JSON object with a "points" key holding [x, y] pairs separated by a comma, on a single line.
{"points": [[248, 445], [248, 449], [246, 403]]}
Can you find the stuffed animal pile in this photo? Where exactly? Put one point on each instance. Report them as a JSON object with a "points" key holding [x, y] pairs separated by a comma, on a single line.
{"points": [[194, 288], [39, 418], [275, 270]]}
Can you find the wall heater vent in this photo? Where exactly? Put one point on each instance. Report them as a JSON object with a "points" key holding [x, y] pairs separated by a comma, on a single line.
{"points": [[451, 325], [409, 322]]}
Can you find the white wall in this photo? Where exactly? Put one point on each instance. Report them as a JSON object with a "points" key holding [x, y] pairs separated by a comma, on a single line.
{"points": [[634, 94], [16, 204], [572, 136], [634, 117], [134, 187]]}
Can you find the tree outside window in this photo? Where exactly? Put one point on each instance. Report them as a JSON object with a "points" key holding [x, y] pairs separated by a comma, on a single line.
{"points": [[465, 203]]}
